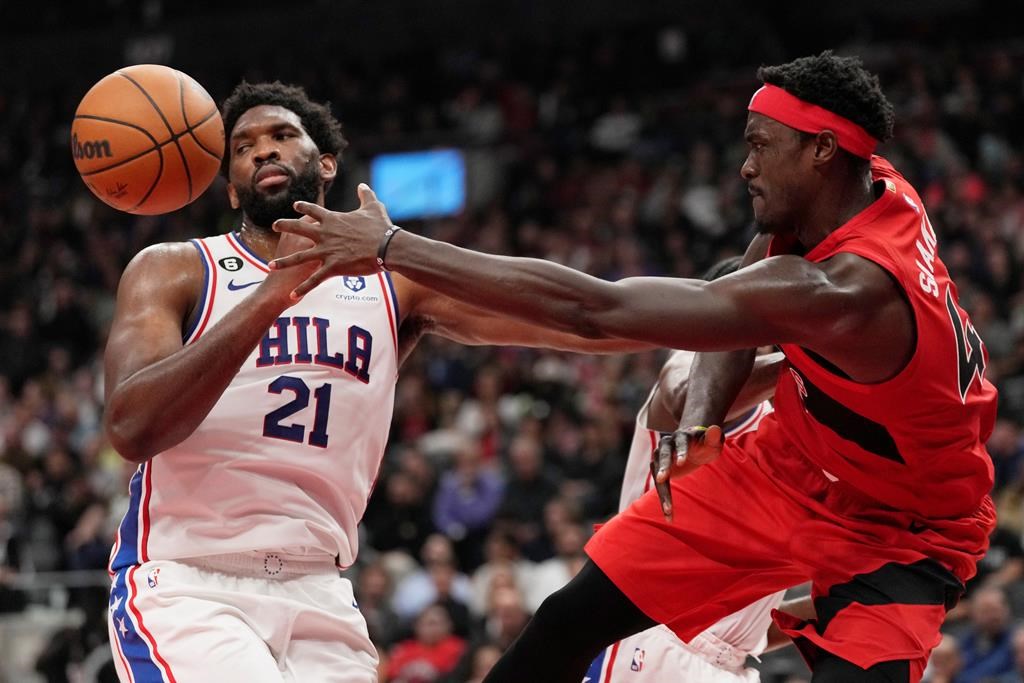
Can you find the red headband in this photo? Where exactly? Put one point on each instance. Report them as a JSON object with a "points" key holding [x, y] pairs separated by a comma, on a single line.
{"points": [[776, 103]]}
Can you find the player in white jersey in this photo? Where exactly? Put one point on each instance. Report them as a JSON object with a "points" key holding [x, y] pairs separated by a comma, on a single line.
{"points": [[259, 423], [719, 654]]}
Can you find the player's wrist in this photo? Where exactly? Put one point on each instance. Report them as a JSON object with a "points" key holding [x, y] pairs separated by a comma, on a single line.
{"points": [[385, 244]]}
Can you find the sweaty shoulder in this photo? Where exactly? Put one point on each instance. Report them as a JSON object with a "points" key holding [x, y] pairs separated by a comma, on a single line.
{"points": [[171, 272]]}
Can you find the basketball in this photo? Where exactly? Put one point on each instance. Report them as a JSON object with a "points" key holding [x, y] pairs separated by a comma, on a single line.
{"points": [[147, 139]]}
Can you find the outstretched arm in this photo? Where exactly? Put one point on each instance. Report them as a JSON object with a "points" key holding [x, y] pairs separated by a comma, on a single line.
{"points": [[782, 299], [430, 312]]}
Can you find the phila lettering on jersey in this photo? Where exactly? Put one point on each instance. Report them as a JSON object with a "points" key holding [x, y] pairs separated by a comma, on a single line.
{"points": [[288, 456]]}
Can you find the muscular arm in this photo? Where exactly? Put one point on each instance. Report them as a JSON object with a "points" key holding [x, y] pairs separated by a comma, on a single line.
{"points": [[781, 299], [157, 389], [433, 313], [846, 309]]}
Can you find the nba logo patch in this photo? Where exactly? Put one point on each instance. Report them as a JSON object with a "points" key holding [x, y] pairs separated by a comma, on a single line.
{"points": [[154, 578], [354, 283], [638, 660]]}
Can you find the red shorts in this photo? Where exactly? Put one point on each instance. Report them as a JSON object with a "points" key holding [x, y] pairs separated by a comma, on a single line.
{"points": [[749, 525]]}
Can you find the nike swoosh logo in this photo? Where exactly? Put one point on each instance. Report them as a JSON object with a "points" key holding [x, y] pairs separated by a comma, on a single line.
{"points": [[234, 288]]}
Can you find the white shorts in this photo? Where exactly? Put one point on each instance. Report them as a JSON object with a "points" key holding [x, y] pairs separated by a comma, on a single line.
{"points": [[254, 617], [657, 655]]}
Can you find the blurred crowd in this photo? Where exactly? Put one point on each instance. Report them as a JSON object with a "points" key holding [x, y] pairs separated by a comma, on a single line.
{"points": [[500, 459]]}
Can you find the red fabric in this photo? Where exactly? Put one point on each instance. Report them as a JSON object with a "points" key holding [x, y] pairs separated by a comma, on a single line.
{"points": [[939, 434], [718, 555], [413, 662], [766, 515], [856, 629], [786, 108]]}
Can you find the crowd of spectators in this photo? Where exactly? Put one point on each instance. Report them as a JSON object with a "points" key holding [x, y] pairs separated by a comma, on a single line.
{"points": [[500, 459]]}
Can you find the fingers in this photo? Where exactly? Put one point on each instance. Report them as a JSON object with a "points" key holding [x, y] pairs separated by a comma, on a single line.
{"points": [[366, 195], [299, 257], [309, 283], [661, 469], [312, 210], [682, 438], [298, 226], [713, 436]]}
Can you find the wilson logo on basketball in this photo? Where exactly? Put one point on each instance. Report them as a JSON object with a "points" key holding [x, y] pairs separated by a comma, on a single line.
{"points": [[94, 149]]}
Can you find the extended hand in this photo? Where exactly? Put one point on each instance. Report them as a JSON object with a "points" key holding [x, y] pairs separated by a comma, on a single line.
{"points": [[680, 453], [344, 243]]}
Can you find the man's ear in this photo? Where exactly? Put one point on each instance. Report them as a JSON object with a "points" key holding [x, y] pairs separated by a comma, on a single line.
{"points": [[826, 146], [328, 168]]}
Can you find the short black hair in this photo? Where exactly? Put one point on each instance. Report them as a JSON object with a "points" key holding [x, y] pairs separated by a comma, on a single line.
{"points": [[840, 84], [726, 266], [317, 119]]}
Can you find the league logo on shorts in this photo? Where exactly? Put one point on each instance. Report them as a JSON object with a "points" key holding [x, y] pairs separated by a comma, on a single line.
{"points": [[154, 578], [638, 660], [355, 283]]}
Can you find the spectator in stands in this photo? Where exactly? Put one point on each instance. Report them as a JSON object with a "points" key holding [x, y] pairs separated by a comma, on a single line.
{"points": [[945, 662], [467, 499], [1017, 642], [985, 647], [437, 581], [373, 593], [432, 652], [529, 487]]}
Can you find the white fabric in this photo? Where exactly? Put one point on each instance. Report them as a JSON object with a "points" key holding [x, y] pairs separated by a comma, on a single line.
{"points": [[208, 625], [658, 656], [256, 474]]}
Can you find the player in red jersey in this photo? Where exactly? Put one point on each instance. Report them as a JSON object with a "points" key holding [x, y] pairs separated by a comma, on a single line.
{"points": [[871, 477]]}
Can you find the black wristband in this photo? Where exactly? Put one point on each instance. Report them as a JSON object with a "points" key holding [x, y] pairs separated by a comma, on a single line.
{"points": [[382, 250]]}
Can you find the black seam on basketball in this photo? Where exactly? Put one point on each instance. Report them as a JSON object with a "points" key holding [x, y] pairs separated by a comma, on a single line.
{"points": [[146, 151], [181, 98], [190, 128], [156, 181], [199, 142], [174, 139]]}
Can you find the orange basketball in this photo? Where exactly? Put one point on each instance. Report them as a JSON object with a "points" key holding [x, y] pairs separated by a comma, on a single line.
{"points": [[147, 139]]}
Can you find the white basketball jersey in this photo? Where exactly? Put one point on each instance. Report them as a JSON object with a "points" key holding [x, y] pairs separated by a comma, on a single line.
{"points": [[288, 456], [747, 629]]}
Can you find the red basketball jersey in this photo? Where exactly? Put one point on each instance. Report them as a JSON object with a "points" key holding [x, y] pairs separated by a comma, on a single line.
{"points": [[915, 442]]}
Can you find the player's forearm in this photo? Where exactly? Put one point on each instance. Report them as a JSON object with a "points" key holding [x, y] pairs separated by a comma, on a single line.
{"points": [[715, 382], [540, 292], [760, 384], [160, 405]]}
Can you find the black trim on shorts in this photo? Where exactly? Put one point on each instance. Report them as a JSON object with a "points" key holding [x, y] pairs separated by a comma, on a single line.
{"points": [[925, 582]]}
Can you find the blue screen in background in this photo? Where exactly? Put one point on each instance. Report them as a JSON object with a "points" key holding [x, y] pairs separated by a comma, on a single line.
{"points": [[420, 184]]}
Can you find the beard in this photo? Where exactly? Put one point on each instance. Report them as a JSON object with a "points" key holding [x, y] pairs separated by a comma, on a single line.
{"points": [[263, 209]]}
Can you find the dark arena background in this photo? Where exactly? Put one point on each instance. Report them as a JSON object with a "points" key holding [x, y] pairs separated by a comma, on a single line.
{"points": [[602, 134]]}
